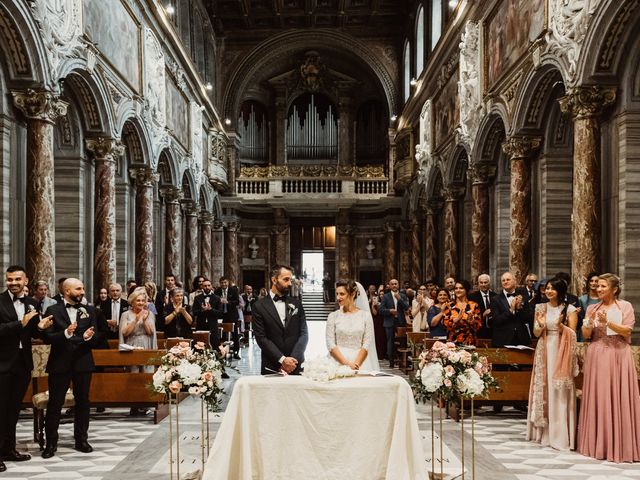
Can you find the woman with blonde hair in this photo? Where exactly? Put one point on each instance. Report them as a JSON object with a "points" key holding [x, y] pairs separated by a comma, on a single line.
{"points": [[138, 324], [610, 412]]}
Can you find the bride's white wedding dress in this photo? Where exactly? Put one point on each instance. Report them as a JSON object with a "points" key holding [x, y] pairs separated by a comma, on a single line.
{"points": [[350, 332]]}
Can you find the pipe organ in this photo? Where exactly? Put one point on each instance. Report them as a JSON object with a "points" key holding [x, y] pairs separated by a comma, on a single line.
{"points": [[312, 129], [371, 133], [253, 131]]}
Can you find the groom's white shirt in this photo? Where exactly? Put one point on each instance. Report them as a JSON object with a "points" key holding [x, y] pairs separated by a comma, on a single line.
{"points": [[281, 308]]}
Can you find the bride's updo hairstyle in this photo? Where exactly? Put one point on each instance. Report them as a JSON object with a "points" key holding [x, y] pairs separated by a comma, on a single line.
{"points": [[350, 286]]}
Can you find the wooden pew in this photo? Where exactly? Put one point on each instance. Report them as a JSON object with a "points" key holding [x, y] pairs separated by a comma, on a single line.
{"points": [[512, 368]]}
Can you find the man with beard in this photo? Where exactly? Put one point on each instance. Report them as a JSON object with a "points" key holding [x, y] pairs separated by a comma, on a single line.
{"points": [[72, 336], [230, 299], [280, 326], [207, 310], [18, 321]]}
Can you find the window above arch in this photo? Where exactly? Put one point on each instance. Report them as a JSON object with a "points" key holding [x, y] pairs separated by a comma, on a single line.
{"points": [[420, 39], [436, 22], [406, 79]]}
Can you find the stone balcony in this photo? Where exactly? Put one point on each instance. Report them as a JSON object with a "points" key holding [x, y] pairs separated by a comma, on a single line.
{"points": [[217, 174], [322, 182]]}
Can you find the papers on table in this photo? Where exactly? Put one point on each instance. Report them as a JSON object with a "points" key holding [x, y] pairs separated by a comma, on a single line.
{"points": [[125, 347], [373, 373], [519, 347]]}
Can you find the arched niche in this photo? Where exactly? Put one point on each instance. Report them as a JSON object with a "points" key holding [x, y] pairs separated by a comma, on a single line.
{"points": [[372, 122], [312, 129]]}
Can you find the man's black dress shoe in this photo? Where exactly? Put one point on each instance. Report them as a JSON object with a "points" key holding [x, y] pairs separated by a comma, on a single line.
{"points": [[3, 467], [49, 451], [16, 456], [225, 375], [83, 447], [236, 356]]}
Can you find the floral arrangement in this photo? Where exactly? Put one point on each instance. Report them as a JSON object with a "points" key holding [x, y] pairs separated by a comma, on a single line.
{"points": [[449, 372], [195, 370], [323, 369]]}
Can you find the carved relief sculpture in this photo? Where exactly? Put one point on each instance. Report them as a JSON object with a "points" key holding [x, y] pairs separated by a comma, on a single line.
{"points": [[469, 88], [173, 231], [196, 135], [155, 91], [253, 248], [425, 147]]}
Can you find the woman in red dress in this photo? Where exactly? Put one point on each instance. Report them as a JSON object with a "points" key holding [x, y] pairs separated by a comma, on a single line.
{"points": [[462, 317]]}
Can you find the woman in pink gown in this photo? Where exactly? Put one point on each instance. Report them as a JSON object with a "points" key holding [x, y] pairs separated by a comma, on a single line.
{"points": [[609, 427]]}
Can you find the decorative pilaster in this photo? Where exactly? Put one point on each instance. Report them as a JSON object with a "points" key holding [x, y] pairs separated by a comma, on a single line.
{"points": [[520, 148], [191, 210], [105, 151], [217, 250], [586, 105], [431, 240], [173, 231], [390, 252], [41, 109], [280, 127], [405, 255], [231, 251], [206, 219], [451, 196], [479, 175], [145, 179], [346, 154], [416, 254]]}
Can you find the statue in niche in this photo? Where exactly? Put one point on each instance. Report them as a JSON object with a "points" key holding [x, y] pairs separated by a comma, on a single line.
{"points": [[312, 71], [370, 249], [253, 246]]}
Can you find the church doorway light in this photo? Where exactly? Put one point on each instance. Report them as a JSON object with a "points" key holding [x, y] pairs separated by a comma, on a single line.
{"points": [[312, 270]]}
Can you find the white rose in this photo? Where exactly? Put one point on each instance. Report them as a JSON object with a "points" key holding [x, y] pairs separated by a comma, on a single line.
{"points": [[432, 376]]}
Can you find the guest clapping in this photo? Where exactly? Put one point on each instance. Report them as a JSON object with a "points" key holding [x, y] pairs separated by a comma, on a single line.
{"points": [[610, 412], [138, 325], [177, 319], [462, 317], [419, 308], [435, 315]]}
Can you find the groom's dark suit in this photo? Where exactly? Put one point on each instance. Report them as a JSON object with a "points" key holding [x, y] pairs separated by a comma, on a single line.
{"points": [[277, 339]]}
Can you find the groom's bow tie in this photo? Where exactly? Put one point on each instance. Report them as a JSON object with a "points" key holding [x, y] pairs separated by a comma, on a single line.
{"points": [[279, 298], [72, 305]]}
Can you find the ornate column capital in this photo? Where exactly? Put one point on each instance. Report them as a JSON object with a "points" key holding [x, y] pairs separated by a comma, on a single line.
{"points": [[191, 208], [433, 206], [171, 194], [280, 229], [587, 101], [480, 173], [144, 177], [521, 146], [39, 104], [345, 229], [452, 193], [217, 225], [206, 218], [232, 227], [390, 227], [105, 148]]}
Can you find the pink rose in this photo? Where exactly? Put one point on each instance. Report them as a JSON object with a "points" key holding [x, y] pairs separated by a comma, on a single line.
{"points": [[451, 345], [447, 382], [465, 357], [207, 376], [438, 346], [200, 345], [175, 387], [449, 371]]}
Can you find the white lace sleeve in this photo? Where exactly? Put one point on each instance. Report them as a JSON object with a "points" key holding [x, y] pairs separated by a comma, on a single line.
{"points": [[368, 332], [331, 331]]}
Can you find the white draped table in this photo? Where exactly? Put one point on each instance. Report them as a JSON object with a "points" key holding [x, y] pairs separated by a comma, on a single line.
{"points": [[293, 428]]}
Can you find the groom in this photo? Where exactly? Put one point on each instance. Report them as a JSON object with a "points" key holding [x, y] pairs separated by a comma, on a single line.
{"points": [[279, 326]]}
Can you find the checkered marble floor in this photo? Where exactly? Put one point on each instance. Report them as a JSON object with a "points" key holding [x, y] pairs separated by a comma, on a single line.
{"points": [[133, 447]]}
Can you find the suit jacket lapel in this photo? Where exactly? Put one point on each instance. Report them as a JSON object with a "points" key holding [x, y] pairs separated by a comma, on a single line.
{"points": [[7, 304]]}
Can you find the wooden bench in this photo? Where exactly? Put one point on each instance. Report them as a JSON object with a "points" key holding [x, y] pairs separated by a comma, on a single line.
{"points": [[512, 368]]}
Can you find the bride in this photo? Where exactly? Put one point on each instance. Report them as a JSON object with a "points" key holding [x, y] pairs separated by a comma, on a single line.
{"points": [[349, 334]]}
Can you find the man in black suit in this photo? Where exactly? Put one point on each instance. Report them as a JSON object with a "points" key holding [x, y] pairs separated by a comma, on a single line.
{"points": [[247, 311], [511, 315], [72, 336], [113, 308], [230, 299], [529, 286], [280, 326], [163, 298], [58, 297], [18, 323], [483, 297], [392, 308], [207, 309]]}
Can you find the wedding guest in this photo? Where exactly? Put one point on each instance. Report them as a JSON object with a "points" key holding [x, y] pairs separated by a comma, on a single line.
{"points": [[59, 297], [230, 298], [326, 287], [378, 322], [103, 295], [263, 293], [610, 412], [419, 308], [196, 288], [41, 296], [529, 286], [163, 299], [207, 309], [435, 314], [392, 308], [483, 297], [590, 297], [113, 308], [249, 299], [462, 317], [511, 315], [131, 286], [177, 318], [450, 286], [138, 324], [551, 417]]}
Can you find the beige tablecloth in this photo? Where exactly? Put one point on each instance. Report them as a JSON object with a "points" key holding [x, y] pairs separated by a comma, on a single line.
{"points": [[293, 428]]}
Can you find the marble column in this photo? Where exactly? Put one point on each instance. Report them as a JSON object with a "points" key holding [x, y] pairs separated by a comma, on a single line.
{"points": [[451, 260], [390, 252], [41, 109], [191, 210], [479, 176], [173, 231], [344, 252], [145, 179], [280, 235], [431, 240], [206, 219], [586, 105], [416, 254], [231, 268], [105, 151], [217, 250], [520, 148]]}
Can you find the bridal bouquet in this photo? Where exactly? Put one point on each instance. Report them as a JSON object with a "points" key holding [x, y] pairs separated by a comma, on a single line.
{"points": [[195, 370], [450, 372], [323, 369]]}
